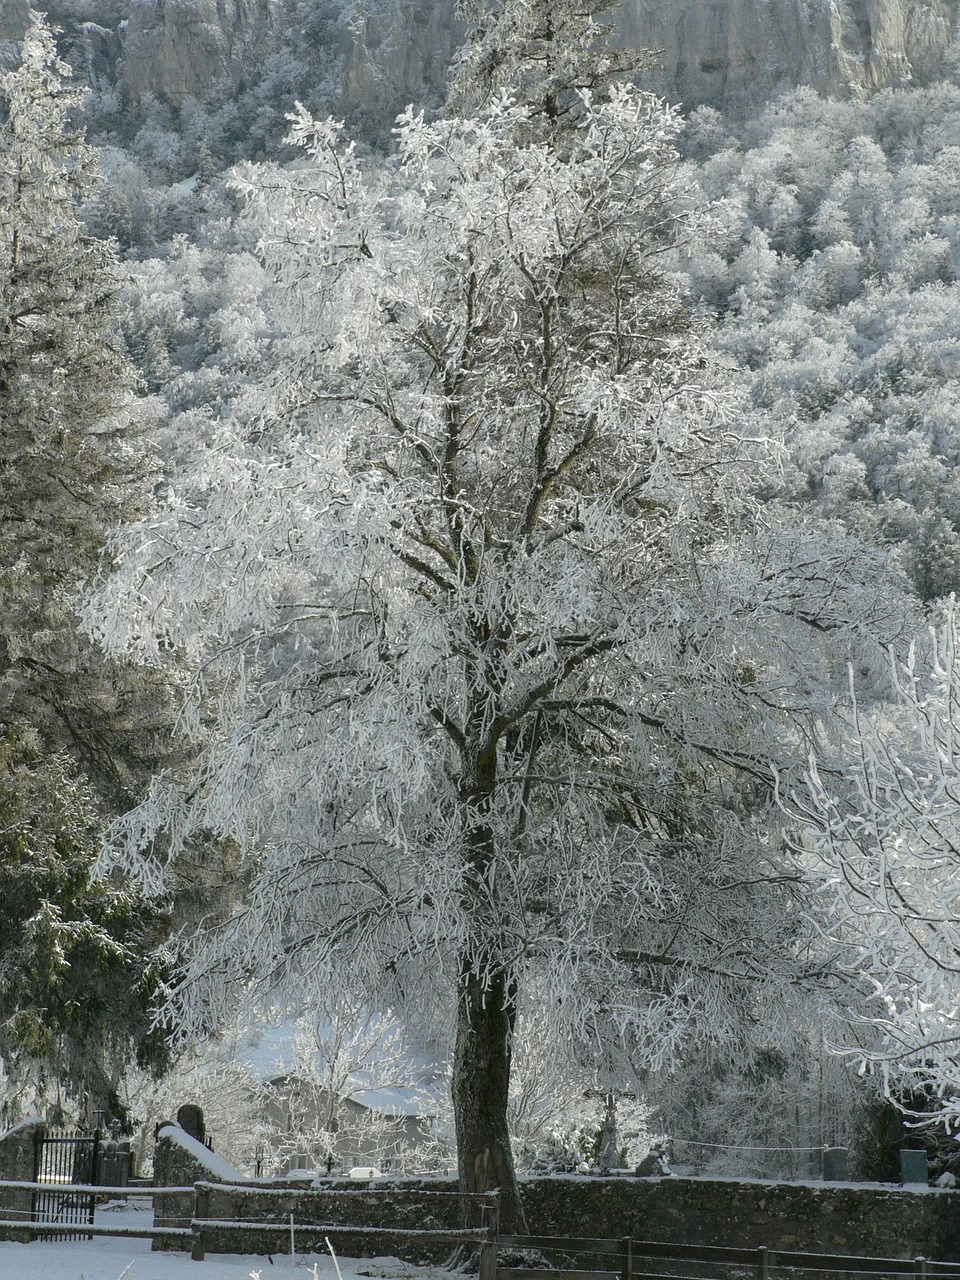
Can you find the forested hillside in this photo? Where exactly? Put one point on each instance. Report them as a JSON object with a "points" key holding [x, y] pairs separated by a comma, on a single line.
{"points": [[495, 548], [830, 267]]}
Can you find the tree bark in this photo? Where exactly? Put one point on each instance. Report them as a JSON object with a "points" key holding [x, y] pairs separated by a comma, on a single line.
{"points": [[481, 1082]]}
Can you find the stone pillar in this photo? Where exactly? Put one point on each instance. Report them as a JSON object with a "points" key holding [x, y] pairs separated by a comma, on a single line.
{"points": [[181, 1160], [18, 1148], [174, 1167]]}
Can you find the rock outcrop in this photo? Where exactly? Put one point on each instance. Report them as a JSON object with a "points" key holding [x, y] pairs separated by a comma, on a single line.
{"points": [[391, 51], [400, 53], [179, 49], [713, 49]]}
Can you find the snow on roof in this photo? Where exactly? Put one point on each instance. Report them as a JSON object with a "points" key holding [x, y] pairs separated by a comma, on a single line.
{"points": [[270, 1054], [220, 1170], [398, 1101]]}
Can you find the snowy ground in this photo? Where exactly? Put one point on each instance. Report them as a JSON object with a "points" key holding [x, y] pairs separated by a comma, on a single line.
{"points": [[106, 1258]]}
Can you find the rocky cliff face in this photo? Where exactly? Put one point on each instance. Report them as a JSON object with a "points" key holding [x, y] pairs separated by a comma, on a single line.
{"points": [[715, 48], [179, 49], [403, 48], [712, 49]]}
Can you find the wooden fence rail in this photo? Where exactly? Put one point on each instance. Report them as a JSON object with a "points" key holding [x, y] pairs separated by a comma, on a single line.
{"points": [[20, 1222], [94, 1229], [759, 1262], [90, 1188]]}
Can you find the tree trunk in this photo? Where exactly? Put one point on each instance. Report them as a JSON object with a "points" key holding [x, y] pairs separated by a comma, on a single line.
{"points": [[481, 1081]]}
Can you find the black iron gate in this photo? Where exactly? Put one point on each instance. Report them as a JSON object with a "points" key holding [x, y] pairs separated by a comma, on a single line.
{"points": [[62, 1160]]}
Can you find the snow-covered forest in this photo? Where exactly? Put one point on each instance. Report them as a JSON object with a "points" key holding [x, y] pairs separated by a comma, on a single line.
{"points": [[482, 570]]}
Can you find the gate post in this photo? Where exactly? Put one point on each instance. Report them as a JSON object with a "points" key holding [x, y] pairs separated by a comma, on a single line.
{"points": [[18, 1157], [39, 1134], [94, 1179]]}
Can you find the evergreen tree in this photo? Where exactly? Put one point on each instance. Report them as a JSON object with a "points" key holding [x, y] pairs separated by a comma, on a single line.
{"points": [[68, 462], [77, 732], [76, 983]]}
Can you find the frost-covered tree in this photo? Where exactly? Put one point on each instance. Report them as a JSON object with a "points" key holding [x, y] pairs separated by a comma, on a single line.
{"points": [[831, 263], [886, 842], [210, 1074], [545, 53], [504, 662], [351, 1087], [556, 1112]]}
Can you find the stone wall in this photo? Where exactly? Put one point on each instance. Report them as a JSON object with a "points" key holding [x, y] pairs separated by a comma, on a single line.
{"points": [[17, 1164], [411, 1205], [179, 1160], [810, 1218], [807, 1217]]}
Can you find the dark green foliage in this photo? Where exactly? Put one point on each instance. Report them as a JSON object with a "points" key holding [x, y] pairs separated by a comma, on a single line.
{"points": [[75, 986], [71, 466], [888, 1125], [77, 734]]}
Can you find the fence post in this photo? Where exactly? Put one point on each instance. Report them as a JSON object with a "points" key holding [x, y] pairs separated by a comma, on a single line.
{"points": [[763, 1262], [197, 1249], [626, 1258], [201, 1210], [490, 1218], [920, 1268]]}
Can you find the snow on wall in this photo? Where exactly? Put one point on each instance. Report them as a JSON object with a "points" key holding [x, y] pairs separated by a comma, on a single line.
{"points": [[31, 1122], [212, 1163], [877, 1220]]}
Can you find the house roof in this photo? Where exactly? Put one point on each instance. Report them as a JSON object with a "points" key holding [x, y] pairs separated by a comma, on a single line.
{"points": [[398, 1101], [404, 1088]]}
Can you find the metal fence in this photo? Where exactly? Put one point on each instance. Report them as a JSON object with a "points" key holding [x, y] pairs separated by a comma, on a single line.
{"points": [[62, 1160]]}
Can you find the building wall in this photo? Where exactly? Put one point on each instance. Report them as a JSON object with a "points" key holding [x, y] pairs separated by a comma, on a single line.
{"points": [[296, 1114]]}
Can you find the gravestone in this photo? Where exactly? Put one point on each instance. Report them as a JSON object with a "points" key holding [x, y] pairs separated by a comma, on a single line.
{"points": [[652, 1165], [114, 1162], [835, 1164], [190, 1119], [913, 1168]]}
